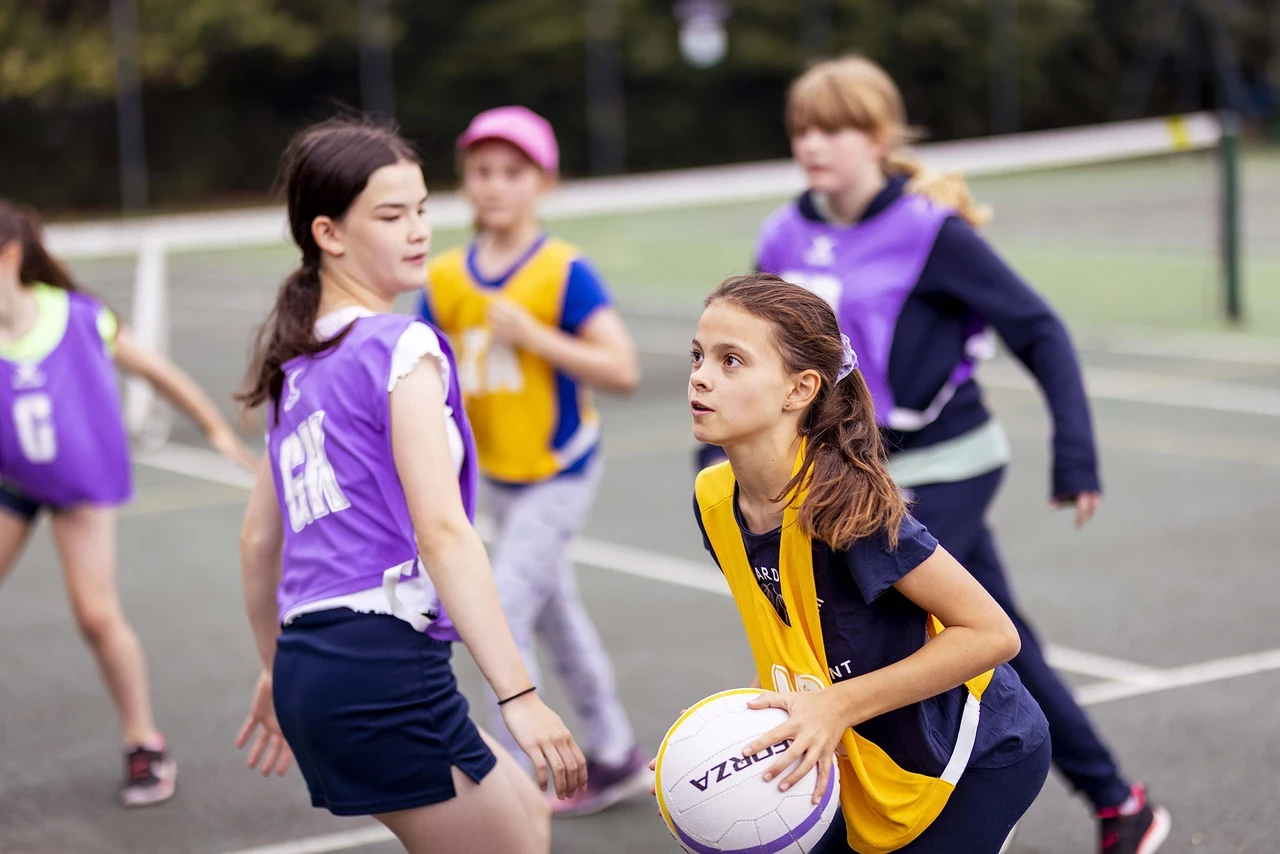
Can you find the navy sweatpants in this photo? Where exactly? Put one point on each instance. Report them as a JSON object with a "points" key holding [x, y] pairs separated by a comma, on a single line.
{"points": [[955, 513]]}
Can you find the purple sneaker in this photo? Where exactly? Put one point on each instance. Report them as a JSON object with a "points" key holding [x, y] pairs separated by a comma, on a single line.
{"points": [[606, 785]]}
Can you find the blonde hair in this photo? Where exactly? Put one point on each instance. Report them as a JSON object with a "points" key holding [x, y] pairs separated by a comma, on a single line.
{"points": [[854, 92]]}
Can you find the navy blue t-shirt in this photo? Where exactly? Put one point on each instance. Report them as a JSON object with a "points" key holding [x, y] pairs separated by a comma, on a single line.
{"points": [[868, 625]]}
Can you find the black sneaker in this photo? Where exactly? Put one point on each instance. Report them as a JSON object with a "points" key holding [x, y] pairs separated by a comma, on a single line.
{"points": [[1142, 832], [149, 777]]}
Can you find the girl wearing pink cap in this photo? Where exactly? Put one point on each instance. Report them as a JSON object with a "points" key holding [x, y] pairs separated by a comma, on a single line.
{"points": [[535, 329]]}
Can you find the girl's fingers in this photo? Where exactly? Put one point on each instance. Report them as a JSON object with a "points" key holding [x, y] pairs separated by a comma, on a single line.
{"points": [[575, 770], [286, 756], [246, 730], [259, 745], [807, 761], [782, 764], [782, 732], [539, 767], [558, 772], [824, 772], [767, 700], [272, 756]]}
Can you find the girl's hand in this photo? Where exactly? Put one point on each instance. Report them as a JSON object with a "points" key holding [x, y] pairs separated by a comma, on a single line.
{"points": [[225, 441], [1086, 504], [270, 743], [511, 323], [541, 734], [814, 726]]}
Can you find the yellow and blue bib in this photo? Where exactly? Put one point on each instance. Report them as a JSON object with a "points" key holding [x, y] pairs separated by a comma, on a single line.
{"points": [[885, 807], [531, 422]]}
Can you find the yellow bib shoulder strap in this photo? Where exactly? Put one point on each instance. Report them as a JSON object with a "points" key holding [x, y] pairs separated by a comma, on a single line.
{"points": [[884, 806]]}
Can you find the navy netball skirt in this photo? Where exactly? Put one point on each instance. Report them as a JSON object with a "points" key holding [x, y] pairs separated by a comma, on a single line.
{"points": [[372, 712]]}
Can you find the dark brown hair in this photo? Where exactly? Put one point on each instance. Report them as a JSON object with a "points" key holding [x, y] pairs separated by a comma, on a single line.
{"points": [[23, 224], [850, 494], [324, 169]]}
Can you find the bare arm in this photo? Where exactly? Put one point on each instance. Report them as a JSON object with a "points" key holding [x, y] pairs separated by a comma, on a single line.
{"points": [[600, 354], [450, 547], [979, 636], [179, 388], [261, 542], [456, 561]]}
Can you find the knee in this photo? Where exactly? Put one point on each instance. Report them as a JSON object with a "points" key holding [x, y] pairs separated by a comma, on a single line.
{"points": [[97, 623]]}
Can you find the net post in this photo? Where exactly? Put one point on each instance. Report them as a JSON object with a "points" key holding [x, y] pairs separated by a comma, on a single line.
{"points": [[146, 418], [1229, 163]]}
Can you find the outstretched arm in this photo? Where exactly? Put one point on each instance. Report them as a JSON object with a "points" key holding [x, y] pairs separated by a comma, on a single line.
{"points": [[178, 387]]}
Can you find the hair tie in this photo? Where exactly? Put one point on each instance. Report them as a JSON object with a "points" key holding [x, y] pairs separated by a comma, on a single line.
{"points": [[849, 360]]}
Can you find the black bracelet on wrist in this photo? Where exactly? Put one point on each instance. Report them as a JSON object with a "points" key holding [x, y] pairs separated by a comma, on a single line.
{"points": [[528, 690]]}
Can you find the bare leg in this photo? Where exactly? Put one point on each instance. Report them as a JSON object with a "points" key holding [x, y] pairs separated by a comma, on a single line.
{"points": [[14, 531], [504, 812], [86, 541]]}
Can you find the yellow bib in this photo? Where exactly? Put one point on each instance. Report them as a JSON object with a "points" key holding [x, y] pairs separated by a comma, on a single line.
{"points": [[885, 807], [511, 396]]}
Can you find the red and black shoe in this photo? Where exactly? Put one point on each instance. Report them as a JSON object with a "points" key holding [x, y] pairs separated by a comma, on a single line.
{"points": [[1135, 827], [150, 777]]}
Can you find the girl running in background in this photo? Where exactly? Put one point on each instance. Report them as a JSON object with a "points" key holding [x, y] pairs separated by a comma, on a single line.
{"points": [[535, 331], [844, 595], [894, 251], [358, 537], [63, 448]]}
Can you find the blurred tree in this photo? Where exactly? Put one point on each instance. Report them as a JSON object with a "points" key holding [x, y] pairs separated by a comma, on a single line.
{"points": [[227, 81], [54, 47]]}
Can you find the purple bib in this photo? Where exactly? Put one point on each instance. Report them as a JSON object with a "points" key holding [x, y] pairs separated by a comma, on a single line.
{"points": [[866, 272], [345, 517], [63, 440]]}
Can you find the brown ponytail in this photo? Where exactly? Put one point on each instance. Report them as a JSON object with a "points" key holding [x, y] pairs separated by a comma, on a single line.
{"points": [[324, 169], [23, 224], [851, 495]]}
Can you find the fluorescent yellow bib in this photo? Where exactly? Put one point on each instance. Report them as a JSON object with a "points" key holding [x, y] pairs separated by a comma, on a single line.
{"points": [[884, 806], [510, 395]]}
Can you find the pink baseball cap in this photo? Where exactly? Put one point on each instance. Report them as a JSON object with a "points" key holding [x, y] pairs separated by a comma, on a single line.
{"points": [[521, 127]]}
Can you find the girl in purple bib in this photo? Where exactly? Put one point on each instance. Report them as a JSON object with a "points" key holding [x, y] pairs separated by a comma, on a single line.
{"points": [[895, 252], [360, 562], [63, 447]]}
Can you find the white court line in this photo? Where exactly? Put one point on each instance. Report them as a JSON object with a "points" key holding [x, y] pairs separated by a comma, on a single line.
{"points": [[1114, 670], [1215, 670]]}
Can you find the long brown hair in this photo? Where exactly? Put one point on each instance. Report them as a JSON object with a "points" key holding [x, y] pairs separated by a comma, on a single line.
{"points": [[324, 169], [23, 224], [850, 494], [854, 92]]}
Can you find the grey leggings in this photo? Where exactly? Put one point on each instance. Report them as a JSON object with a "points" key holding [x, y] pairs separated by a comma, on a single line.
{"points": [[539, 591]]}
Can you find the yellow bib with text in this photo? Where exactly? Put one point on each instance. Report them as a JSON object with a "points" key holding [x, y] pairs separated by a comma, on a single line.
{"points": [[512, 397], [884, 806]]}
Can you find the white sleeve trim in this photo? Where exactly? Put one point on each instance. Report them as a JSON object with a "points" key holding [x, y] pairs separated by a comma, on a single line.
{"points": [[416, 342]]}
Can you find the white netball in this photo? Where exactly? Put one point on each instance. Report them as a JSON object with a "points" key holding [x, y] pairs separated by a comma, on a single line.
{"points": [[714, 799]]}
